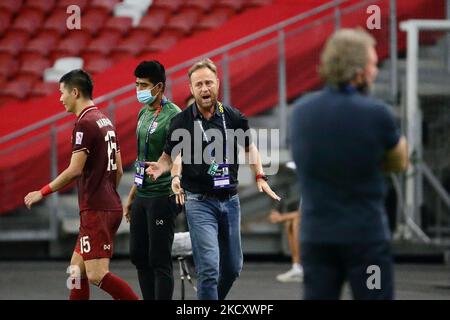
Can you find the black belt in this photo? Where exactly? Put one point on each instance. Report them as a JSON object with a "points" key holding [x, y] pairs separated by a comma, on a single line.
{"points": [[221, 195]]}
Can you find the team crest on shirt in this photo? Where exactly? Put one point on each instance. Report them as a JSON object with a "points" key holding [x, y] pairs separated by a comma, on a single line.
{"points": [[78, 137], [154, 126]]}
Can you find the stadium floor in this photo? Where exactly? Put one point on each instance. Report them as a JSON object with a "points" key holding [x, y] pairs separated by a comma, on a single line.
{"points": [[45, 280]]}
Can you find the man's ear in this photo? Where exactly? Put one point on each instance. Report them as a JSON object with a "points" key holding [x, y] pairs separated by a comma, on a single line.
{"points": [[359, 76], [76, 92], [190, 89]]}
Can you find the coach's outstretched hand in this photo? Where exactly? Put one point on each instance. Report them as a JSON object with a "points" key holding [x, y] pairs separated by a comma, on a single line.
{"points": [[154, 170], [264, 186], [32, 198]]}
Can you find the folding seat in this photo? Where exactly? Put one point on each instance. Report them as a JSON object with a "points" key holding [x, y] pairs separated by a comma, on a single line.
{"points": [[44, 6], [16, 89], [34, 67], [230, 6], [71, 45], [212, 20], [171, 6], [41, 89], [121, 55], [92, 22], [8, 65], [103, 44], [135, 9], [13, 42], [86, 56], [57, 22], [106, 5], [11, 6], [5, 22], [142, 5], [82, 4], [27, 80], [29, 21], [98, 64], [162, 43], [43, 43], [182, 23], [130, 45], [121, 25], [2, 81], [61, 67], [153, 21], [201, 6]]}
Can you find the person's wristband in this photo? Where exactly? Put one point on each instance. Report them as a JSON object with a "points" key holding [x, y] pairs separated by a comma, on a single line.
{"points": [[261, 176], [176, 176], [46, 190]]}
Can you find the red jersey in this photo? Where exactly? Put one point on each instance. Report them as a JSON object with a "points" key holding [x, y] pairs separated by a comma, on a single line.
{"points": [[95, 135]]}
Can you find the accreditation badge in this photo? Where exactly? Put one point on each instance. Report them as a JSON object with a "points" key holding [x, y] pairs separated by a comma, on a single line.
{"points": [[222, 176], [140, 174]]}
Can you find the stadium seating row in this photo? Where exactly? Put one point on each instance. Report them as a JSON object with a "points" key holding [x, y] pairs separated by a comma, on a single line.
{"points": [[34, 34]]}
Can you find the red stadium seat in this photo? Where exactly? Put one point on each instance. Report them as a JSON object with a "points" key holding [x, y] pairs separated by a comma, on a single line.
{"points": [[201, 6], [161, 43], [44, 6], [34, 67], [212, 20], [171, 6], [71, 45], [57, 22], [183, 22], [122, 55], [16, 89], [42, 44], [44, 89], [8, 65], [66, 3], [87, 56], [13, 42], [230, 6], [5, 22], [106, 5], [131, 45], [103, 44], [96, 65], [27, 80], [11, 6], [153, 21], [29, 21], [93, 21], [236, 5], [121, 25]]}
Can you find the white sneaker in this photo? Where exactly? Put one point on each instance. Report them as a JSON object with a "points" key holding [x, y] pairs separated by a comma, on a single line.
{"points": [[293, 275]]}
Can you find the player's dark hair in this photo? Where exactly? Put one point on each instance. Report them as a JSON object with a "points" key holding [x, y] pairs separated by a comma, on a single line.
{"points": [[79, 79], [152, 70]]}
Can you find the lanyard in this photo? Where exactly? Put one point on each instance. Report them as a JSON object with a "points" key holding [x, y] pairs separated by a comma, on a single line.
{"points": [[224, 124], [147, 136]]}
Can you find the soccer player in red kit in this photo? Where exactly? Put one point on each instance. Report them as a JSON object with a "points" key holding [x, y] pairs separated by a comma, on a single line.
{"points": [[97, 165]]}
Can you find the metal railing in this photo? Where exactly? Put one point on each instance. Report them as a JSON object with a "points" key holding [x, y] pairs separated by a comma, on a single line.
{"points": [[418, 170]]}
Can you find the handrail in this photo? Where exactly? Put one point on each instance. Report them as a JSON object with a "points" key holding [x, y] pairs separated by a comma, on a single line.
{"points": [[276, 27]]}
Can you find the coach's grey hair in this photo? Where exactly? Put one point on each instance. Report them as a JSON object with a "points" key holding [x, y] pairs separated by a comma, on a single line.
{"points": [[345, 53]]}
